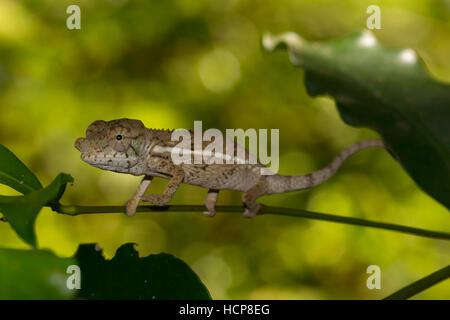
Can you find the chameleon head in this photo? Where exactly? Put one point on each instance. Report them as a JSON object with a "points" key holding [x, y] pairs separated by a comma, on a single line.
{"points": [[112, 145]]}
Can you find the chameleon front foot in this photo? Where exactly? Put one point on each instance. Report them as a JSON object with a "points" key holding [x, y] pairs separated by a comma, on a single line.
{"points": [[131, 206], [133, 203]]}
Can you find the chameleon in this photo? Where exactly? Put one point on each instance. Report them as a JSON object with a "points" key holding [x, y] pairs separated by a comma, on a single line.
{"points": [[127, 146]]}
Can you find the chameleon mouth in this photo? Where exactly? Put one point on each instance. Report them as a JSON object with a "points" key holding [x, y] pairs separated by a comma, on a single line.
{"points": [[93, 157], [79, 144], [83, 145], [109, 162]]}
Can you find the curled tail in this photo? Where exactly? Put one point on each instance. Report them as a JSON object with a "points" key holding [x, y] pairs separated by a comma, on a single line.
{"points": [[279, 183]]}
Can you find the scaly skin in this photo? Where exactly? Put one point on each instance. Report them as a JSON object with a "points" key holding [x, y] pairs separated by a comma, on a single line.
{"points": [[127, 146]]}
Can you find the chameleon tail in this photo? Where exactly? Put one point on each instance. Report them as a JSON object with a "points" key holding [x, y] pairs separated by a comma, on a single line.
{"points": [[279, 183]]}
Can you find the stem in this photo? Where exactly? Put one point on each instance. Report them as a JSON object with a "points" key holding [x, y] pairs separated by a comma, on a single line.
{"points": [[77, 210], [420, 285]]}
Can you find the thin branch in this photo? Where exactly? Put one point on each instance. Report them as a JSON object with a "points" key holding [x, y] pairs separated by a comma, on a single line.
{"points": [[420, 285], [77, 210]]}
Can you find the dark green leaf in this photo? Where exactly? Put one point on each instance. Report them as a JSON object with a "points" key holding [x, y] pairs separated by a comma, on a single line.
{"points": [[126, 276], [15, 174], [33, 274], [21, 211], [387, 90]]}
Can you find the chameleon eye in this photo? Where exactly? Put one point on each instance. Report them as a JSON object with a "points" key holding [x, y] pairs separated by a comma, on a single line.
{"points": [[119, 137]]}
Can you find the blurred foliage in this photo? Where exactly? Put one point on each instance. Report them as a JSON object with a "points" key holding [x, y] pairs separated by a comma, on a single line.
{"points": [[171, 62], [33, 274], [420, 285]]}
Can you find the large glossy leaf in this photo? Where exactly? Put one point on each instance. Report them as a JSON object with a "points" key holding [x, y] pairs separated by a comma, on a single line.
{"points": [[21, 211], [15, 174], [126, 276], [33, 274], [387, 90]]}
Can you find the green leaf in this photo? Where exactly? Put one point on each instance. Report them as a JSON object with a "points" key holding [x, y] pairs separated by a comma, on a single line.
{"points": [[126, 276], [387, 90], [15, 174], [33, 274], [420, 285], [21, 211]]}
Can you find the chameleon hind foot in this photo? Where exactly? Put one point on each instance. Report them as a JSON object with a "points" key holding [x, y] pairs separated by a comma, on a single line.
{"points": [[253, 211], [210, 202], [252, 207]]}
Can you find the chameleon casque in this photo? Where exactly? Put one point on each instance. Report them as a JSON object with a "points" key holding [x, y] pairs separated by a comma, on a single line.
{"points": [[127, 146]]}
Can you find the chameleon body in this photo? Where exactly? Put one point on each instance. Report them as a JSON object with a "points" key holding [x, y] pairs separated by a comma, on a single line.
{"points": [[127, 146]]}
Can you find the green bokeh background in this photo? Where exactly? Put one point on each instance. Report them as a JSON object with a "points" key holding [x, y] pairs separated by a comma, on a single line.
{"points": [[169, 63]]}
